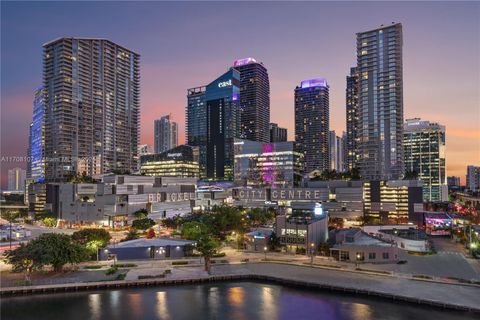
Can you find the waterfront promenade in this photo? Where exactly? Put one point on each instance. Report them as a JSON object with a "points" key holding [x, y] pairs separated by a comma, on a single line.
{"points": [[448, 295]]}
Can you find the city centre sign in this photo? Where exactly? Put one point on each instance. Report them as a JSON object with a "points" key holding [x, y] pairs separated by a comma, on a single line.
{"points": [[225, 84], [280, 194]]}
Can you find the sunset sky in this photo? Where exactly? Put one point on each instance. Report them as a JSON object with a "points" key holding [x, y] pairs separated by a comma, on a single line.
{"points": [[188, 44]]}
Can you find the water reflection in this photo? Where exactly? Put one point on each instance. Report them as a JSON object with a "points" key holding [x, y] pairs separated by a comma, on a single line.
{"points": [[269, 307], [236, 296], [95, 305], [134, 303], [162, 306]]}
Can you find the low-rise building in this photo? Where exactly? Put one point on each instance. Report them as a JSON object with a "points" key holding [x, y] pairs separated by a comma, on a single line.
{"points": [[257, 240], [144, 249], [302, 233], [404, 236], [354, 245]]}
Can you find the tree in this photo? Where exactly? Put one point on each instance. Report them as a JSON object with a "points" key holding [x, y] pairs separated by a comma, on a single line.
{"points": [[49, 222], [48, 249], [192, 230], [131, 235], [141, 214], [92, 239], [150, 234], [207, 245], [259, 216], [143, 224]]}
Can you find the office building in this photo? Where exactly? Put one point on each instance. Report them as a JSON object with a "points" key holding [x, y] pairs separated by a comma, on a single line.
{"points": [[36, 164], [181, 161], [92, 107], [336, 152], [473, 178], [16, 179], [213, 122], [312, 123], [352, 117], [254, 101], [267, 164], [166, 134], [394, 201], [277, 134], [453, 182], [380, 103], [196, 124], [424, 148]]}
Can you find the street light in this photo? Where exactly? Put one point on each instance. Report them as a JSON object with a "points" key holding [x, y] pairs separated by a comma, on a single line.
{"points": [[265, 250], [312, 250]]}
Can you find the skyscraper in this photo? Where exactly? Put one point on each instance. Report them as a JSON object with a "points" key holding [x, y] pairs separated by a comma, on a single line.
{"points": [[336, 152], [166, 134], [16, 179], [424, 146], [352, 117], [254, 100], [380, 99], [213, 122], [312, 123], [36, 165], [92, 113], [196, 124], [277, 134], [473, 178]]}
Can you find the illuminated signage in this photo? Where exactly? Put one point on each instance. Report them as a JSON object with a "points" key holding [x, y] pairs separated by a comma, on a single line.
{"points": [[241, 62], [314, 83], [288, 194], [225, 84], [172, 155]]}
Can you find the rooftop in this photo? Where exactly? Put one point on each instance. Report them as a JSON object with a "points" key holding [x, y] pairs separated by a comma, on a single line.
{"points": [[411, 234], [155, 242]]}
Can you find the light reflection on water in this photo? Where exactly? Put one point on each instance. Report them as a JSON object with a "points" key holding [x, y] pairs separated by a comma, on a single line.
{"points": [[237, 300]]}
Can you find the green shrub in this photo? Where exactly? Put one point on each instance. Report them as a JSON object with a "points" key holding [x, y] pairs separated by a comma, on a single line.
{"points": [[92, 267], [111, 270], [179, 263], [151, 276], [219, 255], [126, 265], [121, 276], [168, 271]]}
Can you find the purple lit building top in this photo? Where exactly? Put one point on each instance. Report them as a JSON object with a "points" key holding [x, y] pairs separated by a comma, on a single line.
{"points": [[320, 82], [241, 62]]}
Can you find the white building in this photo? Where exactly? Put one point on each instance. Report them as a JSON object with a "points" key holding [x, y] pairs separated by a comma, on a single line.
{"points": [[16, 179]]}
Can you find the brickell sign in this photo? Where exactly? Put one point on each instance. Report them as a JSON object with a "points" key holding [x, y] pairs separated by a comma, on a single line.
{"points": [[290, 194], [171, 196]]}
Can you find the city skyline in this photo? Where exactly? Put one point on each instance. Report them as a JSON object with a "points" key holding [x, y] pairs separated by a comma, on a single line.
{"points": [[463, 133]]}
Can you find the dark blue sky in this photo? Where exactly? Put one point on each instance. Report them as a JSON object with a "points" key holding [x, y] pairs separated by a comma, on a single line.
{"points": [[188, 44]]}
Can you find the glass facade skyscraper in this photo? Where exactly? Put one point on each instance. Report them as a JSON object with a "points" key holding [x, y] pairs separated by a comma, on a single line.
{"points": [[312, 123], [352, 118], [36, 165], [166, 134], [424, 147], [212, 123], [92, 114], [380, 99], [254, 100]]}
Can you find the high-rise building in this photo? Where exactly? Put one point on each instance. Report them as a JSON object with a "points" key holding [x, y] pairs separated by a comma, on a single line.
{"points": [[335, 144], [254, 100], [166, 134], [92, 107], [36, 164], [352, 116], [312, 123], [181, 161], [473, 178], [277, 134], [276, 164], [380, 103], [16, 179], [213, 121], [424, 147], [196, 124]]}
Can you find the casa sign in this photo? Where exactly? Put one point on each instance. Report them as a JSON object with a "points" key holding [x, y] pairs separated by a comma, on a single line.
{"points": [[288, 194], [224, 84]]}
